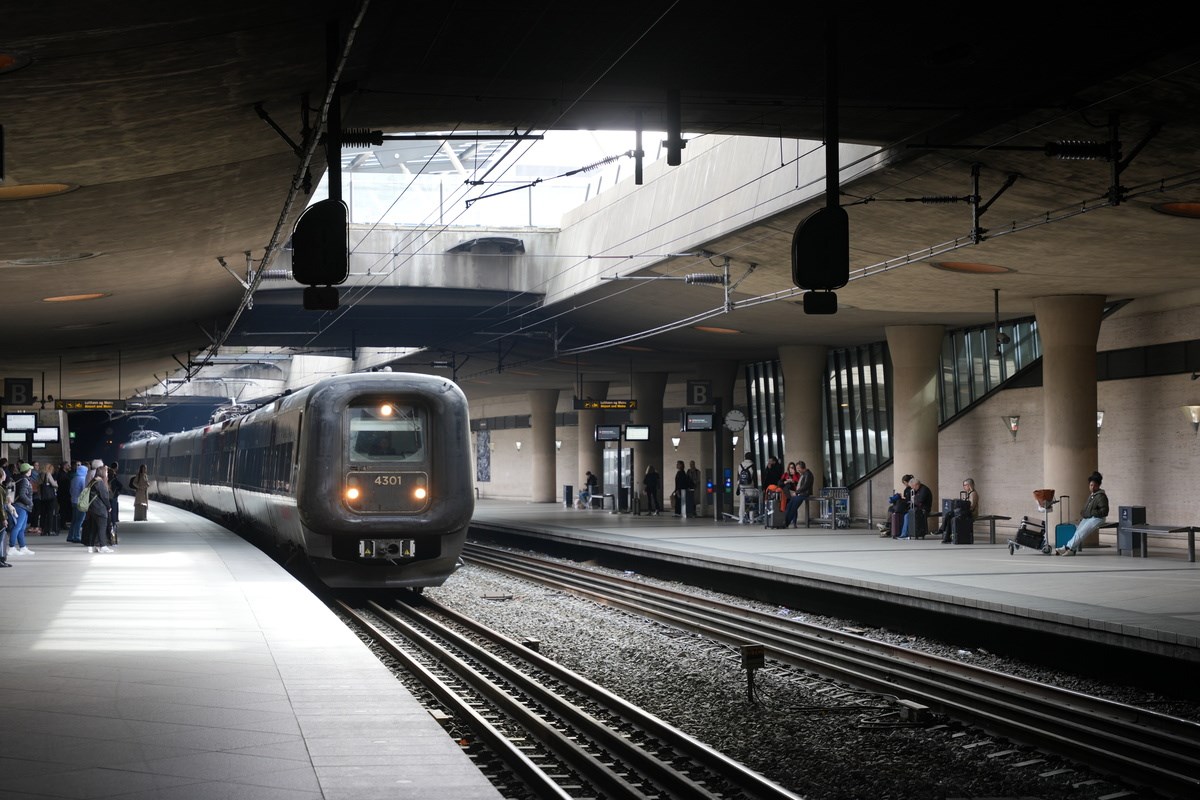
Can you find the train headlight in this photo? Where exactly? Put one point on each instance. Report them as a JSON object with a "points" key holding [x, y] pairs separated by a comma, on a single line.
{"points": [[386, 410], [420, 493], [352, 493]]}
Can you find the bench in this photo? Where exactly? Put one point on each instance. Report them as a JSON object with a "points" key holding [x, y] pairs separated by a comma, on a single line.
{"points": [[990, 519], [1168, 531]]}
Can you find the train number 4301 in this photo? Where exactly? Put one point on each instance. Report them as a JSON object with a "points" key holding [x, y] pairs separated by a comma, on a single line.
{"points": [[387, 480]]}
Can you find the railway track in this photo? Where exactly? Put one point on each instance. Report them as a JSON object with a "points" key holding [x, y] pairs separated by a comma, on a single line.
{"points": [[561, 734], [1155, 751]]}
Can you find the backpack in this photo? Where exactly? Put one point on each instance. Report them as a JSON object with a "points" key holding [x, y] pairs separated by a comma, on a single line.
{"points": [[744, 477], [85, 498]]}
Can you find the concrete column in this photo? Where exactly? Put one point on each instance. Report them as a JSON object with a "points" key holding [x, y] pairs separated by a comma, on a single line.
{"points": [[1069, 326], [723, 375], [803, 369], [591, 453], [542, 405], [648, 388], [915, 351]]}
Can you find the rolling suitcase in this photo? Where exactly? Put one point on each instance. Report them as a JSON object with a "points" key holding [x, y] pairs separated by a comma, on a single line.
{"points": [[962, 530], [917, 523], [897, 524], [1063, 531]]}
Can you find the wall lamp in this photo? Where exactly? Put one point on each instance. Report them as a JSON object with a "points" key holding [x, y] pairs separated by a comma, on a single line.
{"points": [[1012, 422], [1193, 415], [1099, 421], [518, 445], [735, 441], [675, 440], [558, 444]]}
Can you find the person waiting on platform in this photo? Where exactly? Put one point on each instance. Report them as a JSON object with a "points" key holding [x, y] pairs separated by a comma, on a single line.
{"points": [[772, 474], [1095, 510], [803, 491], [747, 487], [589, 489], [971, 497], [920, 500], [653, 485]]}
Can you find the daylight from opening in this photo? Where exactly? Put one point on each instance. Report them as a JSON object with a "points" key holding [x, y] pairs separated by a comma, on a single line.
{"points": [[484, 179]]}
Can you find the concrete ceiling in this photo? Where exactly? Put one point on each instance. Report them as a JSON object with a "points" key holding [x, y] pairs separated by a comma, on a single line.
{"points": [[150, 110]]}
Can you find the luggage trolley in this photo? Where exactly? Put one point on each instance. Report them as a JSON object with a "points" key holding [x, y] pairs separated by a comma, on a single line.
{"points": [[1032, 532], [835, 507]]}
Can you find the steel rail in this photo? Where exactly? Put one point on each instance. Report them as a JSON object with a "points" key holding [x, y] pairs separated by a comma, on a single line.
{"points": [[1143, 746]]}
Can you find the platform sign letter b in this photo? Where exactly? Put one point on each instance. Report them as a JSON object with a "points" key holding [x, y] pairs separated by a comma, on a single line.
{"points": [[699, 393], [18, 391]]}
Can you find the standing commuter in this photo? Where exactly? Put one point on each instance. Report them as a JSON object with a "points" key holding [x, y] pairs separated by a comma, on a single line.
{"points": [[693, 474], [747, 486], [65, 474], [140, 484], [49, 505], [653, 485], [115, 487], [77, 483], [683, 488], [23, 503], [96, 521], [34, 527], [1095, 510]]}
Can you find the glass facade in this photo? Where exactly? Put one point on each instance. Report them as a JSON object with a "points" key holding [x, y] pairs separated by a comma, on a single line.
{"points": [[857, 403]]}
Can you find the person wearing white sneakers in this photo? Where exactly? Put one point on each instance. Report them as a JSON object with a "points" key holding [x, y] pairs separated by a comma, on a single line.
{"points": [[23, 503], [95, 525]]}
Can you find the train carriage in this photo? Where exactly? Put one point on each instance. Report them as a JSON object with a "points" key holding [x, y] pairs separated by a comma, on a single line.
{"points": [[367, 475]]}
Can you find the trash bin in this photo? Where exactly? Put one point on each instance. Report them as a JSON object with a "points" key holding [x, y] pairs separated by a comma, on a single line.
{"points": [[568, 495]]}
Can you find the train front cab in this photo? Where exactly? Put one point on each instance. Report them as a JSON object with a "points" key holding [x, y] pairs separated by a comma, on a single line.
{"points": [[395, 463]]}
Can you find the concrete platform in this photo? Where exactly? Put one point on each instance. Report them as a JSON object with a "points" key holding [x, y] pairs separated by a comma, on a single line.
{"points": [[1148, 604], [188, 666]]}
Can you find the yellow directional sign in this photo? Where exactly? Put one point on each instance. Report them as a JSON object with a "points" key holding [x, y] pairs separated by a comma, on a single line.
{"points": [[606, 405], [89, 405]]}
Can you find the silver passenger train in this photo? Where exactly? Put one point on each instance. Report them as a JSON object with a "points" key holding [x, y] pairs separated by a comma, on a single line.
{"points": [[367, 475]]}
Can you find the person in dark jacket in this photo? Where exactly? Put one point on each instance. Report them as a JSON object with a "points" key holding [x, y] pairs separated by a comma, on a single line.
{"points": [[803, 491], [23, 503], [95, 524], [1092, 517], [683, 488], [652, 483], [115, 487]]}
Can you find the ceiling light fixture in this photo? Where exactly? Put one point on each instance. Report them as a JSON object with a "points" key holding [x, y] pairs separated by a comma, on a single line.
{"points": [[1188, 210], [11, 62], [74, 298], [714, 329], [32, 191]]}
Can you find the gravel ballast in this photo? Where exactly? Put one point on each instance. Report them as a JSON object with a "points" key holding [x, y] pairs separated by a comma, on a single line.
{"points": [[821, 740]]}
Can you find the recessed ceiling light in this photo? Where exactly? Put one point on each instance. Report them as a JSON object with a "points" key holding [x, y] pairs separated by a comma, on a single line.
{"points": [[74, 298], [1189, 210], [52, 258], [32, 191], [712, 329], [969, 267], [11, 62]]}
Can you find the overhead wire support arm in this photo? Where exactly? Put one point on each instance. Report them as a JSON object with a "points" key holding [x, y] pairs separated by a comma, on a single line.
{"points": [[978, 232]]}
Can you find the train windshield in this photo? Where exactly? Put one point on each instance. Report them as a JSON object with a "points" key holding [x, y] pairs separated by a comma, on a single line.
{"points": [[386, 432]]}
